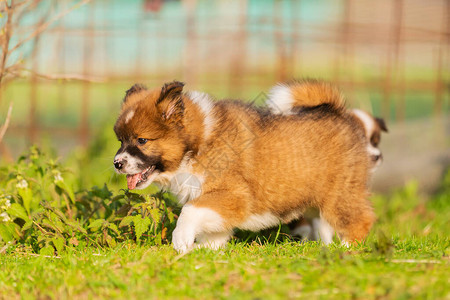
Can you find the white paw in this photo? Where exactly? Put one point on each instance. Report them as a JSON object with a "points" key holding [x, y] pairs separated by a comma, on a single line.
{"points": [[213, 241], [183, 239], [346, 244], [303, 231], [324, 230]]}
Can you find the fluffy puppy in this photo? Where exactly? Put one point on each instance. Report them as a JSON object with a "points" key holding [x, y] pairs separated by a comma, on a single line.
{"points": [[235, 166], [373, 127], [296, 96]]}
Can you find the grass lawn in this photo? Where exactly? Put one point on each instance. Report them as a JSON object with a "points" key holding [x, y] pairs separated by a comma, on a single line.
{"points": [[405, 257], [270, 271]]}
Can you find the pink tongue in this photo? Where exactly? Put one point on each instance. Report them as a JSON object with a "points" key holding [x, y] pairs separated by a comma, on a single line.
{"points": [[132, 180]]}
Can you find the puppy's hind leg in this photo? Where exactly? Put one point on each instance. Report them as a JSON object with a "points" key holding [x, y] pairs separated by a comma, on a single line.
{"points": [[322, 230], [351, 218]]}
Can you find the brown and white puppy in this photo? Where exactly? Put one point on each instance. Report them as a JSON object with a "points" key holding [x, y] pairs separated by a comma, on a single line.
{"points": [[373, 127], [236, 166], [292, 98]]}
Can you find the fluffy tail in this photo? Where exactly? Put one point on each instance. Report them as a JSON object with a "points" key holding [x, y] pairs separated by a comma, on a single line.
{"points": [[289, 98]]}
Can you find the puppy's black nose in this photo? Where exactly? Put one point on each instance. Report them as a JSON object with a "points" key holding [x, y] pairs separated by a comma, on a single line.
{"points": [[118, 164], [377, 157]]}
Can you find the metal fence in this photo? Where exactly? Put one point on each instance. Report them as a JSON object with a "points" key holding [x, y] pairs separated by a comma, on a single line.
{"points": [[389, 48]]}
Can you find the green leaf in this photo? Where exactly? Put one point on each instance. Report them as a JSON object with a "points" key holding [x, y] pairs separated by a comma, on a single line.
{"points": [[110, 241], [117, 198], [95, 225], [77, 226], [102, 193], [17, 210], [156, 215], [27, 225], [59, 244], [158, 239], [126, 221], [64, 187], [170, 215], [48, 224], [5, 233], [47, 251], [60, 214], [140, 225], [114, 228], [27, 197]]}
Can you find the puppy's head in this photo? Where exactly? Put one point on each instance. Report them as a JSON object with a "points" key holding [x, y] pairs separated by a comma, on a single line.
{"points": [[150, 129], [373, 127]]}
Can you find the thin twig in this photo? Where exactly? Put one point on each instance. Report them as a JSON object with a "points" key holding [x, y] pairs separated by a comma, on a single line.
{"points": [[6, 36], [40, 228], [414, 261], [44, 26], [65, 77], [38, 255], [5, 126]]}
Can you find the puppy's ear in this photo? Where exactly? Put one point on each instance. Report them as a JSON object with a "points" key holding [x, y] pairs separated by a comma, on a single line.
{"points": [[382, 124], [170, 102], [133, 94]]}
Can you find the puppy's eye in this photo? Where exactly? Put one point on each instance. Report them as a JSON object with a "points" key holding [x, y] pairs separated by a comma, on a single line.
{"points": [[142, 141]]}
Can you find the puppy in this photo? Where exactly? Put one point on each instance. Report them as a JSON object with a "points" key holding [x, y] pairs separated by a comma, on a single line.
{"points": [[236, 166], [373, 127], [292, 98]]}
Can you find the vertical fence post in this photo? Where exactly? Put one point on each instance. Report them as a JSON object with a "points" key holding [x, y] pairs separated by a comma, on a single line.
{"points": [[87, 61], [392, 51], [440, 61], [342, 42], [61, 57], [238, 57], [141, 33], [33, 125], [191, 45], [398, 66], [296, 66], [279, 41]]}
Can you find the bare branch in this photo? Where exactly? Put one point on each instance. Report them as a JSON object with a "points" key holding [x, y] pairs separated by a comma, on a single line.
{"points": [[5, 126], [5, 38], [44, 26], [414, 261], [18, 71]]}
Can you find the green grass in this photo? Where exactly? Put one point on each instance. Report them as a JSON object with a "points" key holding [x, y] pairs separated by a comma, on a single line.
{"points": [[417, 269], [406, 256]]}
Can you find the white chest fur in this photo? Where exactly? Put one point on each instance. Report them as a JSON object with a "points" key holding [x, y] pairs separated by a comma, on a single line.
{"points": [[186, 186], [183, 183]]}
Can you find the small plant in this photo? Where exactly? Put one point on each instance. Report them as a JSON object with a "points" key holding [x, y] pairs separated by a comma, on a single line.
{"points": [[39, 208]]}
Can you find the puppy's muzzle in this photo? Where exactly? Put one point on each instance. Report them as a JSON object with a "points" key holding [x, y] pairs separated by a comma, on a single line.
{"points": [[119, 163]]}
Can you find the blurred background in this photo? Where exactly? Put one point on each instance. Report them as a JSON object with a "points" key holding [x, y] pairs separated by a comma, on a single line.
{"points": [[65, 66]]}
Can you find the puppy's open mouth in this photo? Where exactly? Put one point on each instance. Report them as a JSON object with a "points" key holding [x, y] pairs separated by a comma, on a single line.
{"points": [[134, 180]]}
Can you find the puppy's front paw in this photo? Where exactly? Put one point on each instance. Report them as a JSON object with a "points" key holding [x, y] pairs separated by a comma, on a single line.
{"points": [[183, 239]]}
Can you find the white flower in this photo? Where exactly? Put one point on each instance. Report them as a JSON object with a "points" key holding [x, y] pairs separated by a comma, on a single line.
{"points": [[22, 184], [58, 177], [4, 216], [5, 205]]}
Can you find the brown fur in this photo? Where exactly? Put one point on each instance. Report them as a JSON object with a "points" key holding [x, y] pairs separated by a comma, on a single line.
{"points": [[254, 162], [312, 93]]}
